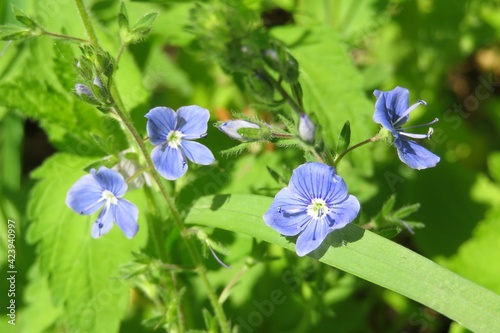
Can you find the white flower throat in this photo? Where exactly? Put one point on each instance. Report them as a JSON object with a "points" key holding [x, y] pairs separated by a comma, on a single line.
{"points": [[174, 138], [109, 197], [317, 209]]}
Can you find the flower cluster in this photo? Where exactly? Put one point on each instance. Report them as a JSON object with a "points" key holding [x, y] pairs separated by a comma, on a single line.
{"points": [[172, 133], [316, 201]]}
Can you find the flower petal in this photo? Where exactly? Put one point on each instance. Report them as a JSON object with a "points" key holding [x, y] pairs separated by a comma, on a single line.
{"points": [[287, 214], [312, 237], [126, 217], [390, 106], [343, 213], [192, 121], [169, 162], [161, 120], [84, 197], [104, 221], [110, 180], [197, 153], [414, 155], [315, 180]]}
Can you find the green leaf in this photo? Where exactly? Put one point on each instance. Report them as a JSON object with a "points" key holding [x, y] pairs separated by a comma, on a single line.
{"points": [[24, 18], [83, 272], [40, 313], [494, 166], [388, 206], [123, 18], [403, 212], [142, 28], [366, 255], [477, 258], [344, 138], [11, 32], [146, 22]]}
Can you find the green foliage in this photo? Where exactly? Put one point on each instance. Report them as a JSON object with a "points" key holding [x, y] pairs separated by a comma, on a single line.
{"points": [[82, 272], [267, 62], [364, 254], [344, 138]]}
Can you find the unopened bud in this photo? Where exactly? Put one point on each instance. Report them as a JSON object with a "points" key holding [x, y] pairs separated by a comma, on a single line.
{"points": [[97, 82], [241, 130], [307, 129], [82, 89]]}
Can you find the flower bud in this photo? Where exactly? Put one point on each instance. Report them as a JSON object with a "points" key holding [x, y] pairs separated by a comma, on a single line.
{"points": [[241, 130], [82, 89], [307, 129]]}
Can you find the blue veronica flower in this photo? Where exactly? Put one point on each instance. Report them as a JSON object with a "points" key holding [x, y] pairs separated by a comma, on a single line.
{"points": [[392, 112], [172, 134], [104, 188], [314, 204]]}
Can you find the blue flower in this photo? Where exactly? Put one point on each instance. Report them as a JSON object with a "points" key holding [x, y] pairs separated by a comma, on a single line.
{"points": [[171, 132], [314, 204], [392, 112], [104, 188]]}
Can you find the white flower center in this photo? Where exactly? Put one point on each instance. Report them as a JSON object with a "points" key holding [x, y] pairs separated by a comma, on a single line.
{"points": [[109, 197], [174, 138], [317, 209]]}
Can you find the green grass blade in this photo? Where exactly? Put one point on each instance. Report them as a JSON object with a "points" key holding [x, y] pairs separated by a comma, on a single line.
{"points": [[367, 255]]}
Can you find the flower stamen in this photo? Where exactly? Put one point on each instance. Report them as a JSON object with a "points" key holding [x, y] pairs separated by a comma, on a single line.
{"points": [[410, 109], [317, 209], [174, 138]]}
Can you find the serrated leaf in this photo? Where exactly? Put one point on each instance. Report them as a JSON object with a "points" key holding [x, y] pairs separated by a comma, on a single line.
{"points": [[344, 138], [83, 272], [367, 255]]}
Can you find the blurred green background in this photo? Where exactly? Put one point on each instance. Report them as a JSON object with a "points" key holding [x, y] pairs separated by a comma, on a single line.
{"points": [[445, 52]]}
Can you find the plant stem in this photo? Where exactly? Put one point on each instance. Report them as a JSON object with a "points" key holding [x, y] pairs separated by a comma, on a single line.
{"points": [[86, 22], [347, 151], [81, 40], [119, 55], [277, 85], [195, 256]]}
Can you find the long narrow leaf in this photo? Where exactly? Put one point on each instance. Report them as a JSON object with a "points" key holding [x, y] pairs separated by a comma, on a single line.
{"points": [[367, 255]]}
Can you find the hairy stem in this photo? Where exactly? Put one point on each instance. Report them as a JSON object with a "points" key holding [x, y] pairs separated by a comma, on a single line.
{"points": [[76, 39], [176, 216], [347, 151], [116, 109], [86, 22]]}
